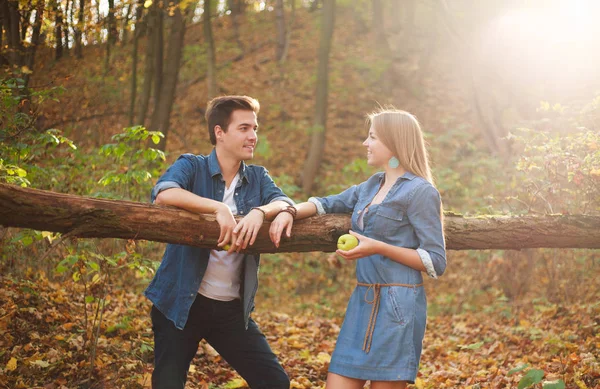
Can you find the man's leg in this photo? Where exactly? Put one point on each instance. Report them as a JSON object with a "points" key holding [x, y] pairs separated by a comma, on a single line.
{"points": [[247, 351], [174, 349]]}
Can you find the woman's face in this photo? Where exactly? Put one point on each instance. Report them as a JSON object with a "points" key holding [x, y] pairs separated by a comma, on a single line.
{"points": [[378, 154]]}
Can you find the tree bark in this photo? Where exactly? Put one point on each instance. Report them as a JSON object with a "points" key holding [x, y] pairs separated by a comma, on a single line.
{"points": [[134, 58], [58, 23], [99, 218], [35, 39], [281, 29], [146, 92], [211, 57], [166, 94], [79, 29], [317, 140], [13, 21]]}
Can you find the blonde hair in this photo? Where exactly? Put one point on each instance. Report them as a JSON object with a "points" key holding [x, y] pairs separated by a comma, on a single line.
{"points": [[401, 133]]}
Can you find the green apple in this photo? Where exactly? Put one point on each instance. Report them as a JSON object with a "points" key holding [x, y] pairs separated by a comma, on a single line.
{"points": [[227, 247], [347, 242]]}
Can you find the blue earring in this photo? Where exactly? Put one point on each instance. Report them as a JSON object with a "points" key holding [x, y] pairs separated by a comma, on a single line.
{"points": [[393, 162]]}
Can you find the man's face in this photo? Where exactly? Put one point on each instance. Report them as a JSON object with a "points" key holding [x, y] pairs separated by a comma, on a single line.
{"points": [[241, 137]]}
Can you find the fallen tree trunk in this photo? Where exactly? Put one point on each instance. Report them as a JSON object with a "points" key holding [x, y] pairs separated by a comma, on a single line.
{"points": [[100, 218]]}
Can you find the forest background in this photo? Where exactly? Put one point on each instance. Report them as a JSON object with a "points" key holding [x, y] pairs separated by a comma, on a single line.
{"points": [[99, 97]]}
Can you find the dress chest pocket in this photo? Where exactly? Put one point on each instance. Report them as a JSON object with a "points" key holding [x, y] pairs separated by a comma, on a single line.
{"points": [[389, 219]]}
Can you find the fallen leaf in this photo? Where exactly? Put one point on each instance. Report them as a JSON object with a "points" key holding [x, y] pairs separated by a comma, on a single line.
{"points": [[12, 364]]}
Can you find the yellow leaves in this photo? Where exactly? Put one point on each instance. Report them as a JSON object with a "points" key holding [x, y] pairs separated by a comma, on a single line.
{"points": [[301, 383], [148, 4], [419, 383], [236, 383], [26, 70], [323, 357], [39, 363], [12, 364]]}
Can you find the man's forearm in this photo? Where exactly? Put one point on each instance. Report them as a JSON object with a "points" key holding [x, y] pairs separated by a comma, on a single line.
{"points": [[187, 200]]}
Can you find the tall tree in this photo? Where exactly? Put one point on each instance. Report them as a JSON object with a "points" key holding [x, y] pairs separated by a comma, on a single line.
{"points": [[211, 70], [151, 25], [58, 28], [166, 94], [236, 9], [134, 58], [66, 25], [13, 21], [317, 138], [281, 29], [159, 48], [35, 39], [79, 29]]}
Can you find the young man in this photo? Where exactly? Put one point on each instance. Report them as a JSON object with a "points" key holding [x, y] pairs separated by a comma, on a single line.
{"points": [[209, 294]]}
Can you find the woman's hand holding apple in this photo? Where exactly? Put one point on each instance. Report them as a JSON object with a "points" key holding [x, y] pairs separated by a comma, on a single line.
{"points": [[366, 247]]}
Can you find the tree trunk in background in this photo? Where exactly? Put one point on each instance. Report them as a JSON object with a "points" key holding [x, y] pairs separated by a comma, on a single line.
{"points": [[234, 7], [25, 18], [166, 93], [35, 39], [281, 29], [100, 218], [377, 22], [66, 26], [125, 25], [79, 29], [134, 58], [15, 49], [317, 139], [211, 57], [149, 64], [58, 22], [288, 35], [3, 17], [111, 24], [159, 42]]}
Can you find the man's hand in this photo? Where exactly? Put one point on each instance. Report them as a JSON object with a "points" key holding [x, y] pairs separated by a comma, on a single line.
{"points": [[283, 221], [247, 229], [227, 223]]}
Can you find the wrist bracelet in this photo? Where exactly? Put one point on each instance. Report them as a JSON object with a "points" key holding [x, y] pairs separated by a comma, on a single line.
{"points": [[291, 210], [258, 209]]}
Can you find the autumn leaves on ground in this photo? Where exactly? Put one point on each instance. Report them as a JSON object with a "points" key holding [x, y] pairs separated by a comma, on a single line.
{"points": [[72, 313], [475, 338]]}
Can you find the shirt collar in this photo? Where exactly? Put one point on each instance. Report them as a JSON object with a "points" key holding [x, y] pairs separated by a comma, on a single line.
{"points": [[214, 168], [406, 176]]}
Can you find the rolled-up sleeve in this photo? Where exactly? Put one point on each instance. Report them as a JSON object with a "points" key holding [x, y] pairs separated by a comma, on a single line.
{"points": [[424, 215], [178, 175], [340, 203]]}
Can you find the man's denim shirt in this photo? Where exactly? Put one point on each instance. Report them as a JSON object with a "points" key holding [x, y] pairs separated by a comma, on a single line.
{"points": [[178, 278]]}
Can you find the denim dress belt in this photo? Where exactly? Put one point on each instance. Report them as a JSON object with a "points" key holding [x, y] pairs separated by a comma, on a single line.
{"points": [[375, 309]]}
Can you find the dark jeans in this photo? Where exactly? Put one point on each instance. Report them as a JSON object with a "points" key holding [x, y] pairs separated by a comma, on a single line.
{"points": [[221, 324]]}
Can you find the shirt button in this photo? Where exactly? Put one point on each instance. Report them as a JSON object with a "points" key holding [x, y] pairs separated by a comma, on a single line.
{"points": [[191, 295], [237, 194]]}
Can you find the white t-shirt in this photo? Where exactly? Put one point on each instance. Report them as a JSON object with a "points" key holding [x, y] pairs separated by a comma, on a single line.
{"points": [[223, 275]]}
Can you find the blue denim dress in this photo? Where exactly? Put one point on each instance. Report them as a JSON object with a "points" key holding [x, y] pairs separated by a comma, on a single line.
{"points": [[382, 334]]}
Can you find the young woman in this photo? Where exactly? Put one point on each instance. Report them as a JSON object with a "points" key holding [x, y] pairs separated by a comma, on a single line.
{"points": [[396, 216]]}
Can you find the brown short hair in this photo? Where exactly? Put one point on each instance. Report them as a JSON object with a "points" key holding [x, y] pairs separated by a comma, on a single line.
{"points": [[219, 109]]}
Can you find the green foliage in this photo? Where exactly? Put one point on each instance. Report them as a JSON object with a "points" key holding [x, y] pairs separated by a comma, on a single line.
{"points": [[534, 377], [560, 172], [23, 148], [135, 163]]}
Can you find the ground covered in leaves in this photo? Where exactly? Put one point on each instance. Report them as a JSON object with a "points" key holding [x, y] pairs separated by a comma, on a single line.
{"points": [[48, 340]]}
